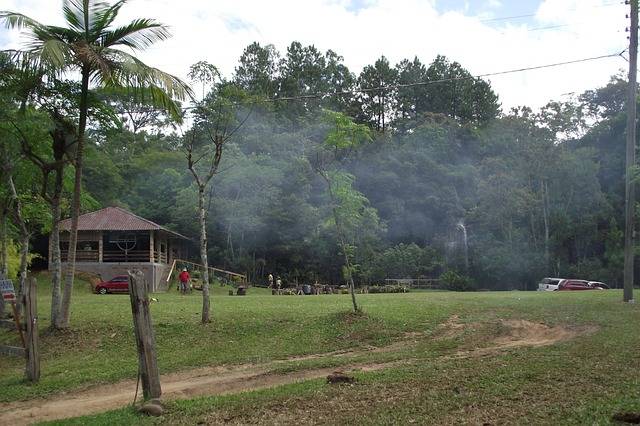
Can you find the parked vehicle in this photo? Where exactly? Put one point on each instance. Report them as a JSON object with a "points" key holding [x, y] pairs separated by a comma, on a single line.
{"points": [[117, 284], [567, 285], [555, 284], [550, 284], [599, 285]]}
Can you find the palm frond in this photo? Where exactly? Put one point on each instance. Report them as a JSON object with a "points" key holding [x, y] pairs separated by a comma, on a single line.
{"points": [[55, 54], [18, 20], [67, 35], [88, 16], [30, 62], [138, 34], [73, 11], [105, 17], [131, 71]]}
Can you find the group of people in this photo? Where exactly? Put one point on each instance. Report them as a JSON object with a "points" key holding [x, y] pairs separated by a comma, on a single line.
{"points": [[184, 284], [316, 288], [277, 286]]}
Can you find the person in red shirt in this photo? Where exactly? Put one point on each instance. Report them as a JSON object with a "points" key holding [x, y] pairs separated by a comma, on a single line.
{"points": [[184, 281]]}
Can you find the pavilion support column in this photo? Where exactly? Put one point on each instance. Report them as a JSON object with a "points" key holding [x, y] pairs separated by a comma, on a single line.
{"points": [[151, 247], [100, 246]]}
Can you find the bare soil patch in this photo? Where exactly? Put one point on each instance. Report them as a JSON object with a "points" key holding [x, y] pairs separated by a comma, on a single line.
{"points": [[521, 333], [450, 328]]}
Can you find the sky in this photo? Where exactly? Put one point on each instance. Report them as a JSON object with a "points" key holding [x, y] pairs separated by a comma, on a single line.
{"points": [[468, 31]]}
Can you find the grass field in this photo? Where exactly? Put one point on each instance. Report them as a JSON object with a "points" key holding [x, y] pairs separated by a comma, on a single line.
{"points": [[441, 376]]}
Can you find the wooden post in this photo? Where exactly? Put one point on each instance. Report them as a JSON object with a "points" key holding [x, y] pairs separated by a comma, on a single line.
{"points": [[100, 246], [145, 338], [31, 318], [152, 248]]}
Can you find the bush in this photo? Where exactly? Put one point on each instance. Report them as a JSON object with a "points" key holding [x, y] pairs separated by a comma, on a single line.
{"points": [[388, 289], [454, 281]]}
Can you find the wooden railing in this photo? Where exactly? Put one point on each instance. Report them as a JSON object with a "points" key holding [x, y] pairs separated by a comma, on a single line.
{"points": [[81, 255], [160, 257], [212, 271], [116, 256], [121, 256]]}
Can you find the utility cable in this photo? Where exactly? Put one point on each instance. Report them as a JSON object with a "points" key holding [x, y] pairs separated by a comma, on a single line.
{"points": [[531, 15], [425, 83]]}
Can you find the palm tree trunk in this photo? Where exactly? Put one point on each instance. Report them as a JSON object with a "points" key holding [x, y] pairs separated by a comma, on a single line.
{"points": [[203, 256], [56, 275], [75, 207]]}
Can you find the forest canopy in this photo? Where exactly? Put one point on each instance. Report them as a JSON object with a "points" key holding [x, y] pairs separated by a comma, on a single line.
{"points": [[447, 180]]}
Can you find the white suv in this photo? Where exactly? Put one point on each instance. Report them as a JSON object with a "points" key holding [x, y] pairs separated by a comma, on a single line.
{"points": [[550, 284]]}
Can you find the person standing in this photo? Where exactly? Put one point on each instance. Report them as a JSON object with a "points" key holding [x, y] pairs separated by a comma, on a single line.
{"points": [[278, 284], [270, 278], [184, 281]]}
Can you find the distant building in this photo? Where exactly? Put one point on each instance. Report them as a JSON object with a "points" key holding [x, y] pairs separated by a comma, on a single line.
{"points": [[114, 240]]}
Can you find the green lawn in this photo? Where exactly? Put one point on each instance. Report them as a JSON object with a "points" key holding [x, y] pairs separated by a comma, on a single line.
{"points": [[580, 381]]}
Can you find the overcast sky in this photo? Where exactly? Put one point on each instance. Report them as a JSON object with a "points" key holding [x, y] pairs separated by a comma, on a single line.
{"points": [[361, 30]]}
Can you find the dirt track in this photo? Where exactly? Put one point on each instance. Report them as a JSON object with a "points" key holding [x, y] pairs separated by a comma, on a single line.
{"points": [[233, 379]]}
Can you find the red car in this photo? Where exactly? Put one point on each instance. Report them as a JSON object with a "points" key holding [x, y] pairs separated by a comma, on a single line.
{"points": [[117, 284], [567, 285]]}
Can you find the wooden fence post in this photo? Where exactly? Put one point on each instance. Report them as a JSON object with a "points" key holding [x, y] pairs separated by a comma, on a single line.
{"points": [[31, 319], [145, 338]]}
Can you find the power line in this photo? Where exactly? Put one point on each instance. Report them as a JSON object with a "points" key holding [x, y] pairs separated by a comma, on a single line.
{"points": [[531, 15], [425, 83]]}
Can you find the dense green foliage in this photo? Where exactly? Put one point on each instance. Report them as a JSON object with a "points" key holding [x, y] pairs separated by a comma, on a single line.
{"points": [[446, 182]]}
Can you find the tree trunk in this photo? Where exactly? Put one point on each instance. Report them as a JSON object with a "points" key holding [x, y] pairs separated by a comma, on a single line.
{"points": [[56, 261], [343, 245], [203, 256], [4, 255], [4, 245], [75, 206], [24, 238], [24, 263], [545, 214]]}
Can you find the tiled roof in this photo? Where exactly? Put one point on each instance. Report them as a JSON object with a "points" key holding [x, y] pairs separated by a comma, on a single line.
{"points": [[114, 219]]}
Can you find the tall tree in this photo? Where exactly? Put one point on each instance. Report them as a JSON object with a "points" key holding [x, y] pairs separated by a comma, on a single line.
{"points": [[411, 100], [257, 71], [89, 44], [455, 92], [346, 204], [377, 101], [215, 124]]}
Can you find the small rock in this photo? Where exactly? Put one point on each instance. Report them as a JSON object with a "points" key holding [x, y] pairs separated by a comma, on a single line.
{"points": [[151, 409], [340, 377]]}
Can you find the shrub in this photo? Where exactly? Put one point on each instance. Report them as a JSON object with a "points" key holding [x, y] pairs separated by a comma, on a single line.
{"points": [[454, 281], [388, 289]]}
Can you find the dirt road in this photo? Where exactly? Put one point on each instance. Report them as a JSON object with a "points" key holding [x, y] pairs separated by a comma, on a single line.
{"points": [[233, 379]]}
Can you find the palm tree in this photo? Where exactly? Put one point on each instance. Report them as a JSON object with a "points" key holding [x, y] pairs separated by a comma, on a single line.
{"points": [[90, 46]]}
